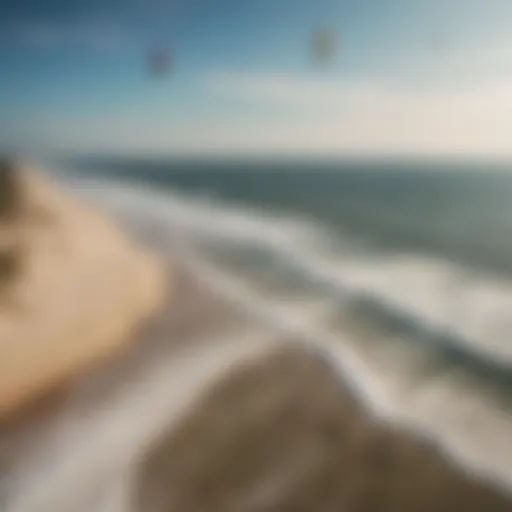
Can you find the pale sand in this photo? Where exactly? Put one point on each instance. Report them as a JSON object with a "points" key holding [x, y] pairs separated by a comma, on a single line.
{"points": [[76, 450], [172, 425], [82, 290]]}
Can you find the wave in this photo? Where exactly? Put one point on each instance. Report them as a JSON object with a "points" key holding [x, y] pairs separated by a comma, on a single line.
{"points": [[448, 410], [109, 439], [447, 304], [410, 297]]}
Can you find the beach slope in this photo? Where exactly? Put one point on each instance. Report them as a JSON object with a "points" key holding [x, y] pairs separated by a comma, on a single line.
{"points": [[72, 287]]}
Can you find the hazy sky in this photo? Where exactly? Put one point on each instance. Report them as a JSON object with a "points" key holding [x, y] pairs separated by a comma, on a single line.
{"points": [[411, 76]]}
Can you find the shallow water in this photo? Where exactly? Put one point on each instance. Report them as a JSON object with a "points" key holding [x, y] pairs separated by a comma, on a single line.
{"points": [[421, 329]]}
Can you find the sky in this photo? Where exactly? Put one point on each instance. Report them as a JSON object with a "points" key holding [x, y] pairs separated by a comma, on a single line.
{"points": [[409, 77]]}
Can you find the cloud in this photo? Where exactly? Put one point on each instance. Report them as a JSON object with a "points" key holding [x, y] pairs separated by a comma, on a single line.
{"points": [[305, 114], [368, 116]]}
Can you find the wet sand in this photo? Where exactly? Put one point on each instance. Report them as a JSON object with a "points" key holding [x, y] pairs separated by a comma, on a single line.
{"points": [[282, 435], [191, 432], [140, 389]]}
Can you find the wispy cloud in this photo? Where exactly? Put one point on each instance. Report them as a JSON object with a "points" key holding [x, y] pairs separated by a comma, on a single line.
{"points": [[368, 116], [309, 114]]}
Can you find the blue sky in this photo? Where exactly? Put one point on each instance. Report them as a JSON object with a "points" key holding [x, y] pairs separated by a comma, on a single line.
{"points": [[410, 77]]}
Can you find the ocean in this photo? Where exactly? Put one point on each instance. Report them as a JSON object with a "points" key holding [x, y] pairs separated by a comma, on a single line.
{"points": [[401, 271]]}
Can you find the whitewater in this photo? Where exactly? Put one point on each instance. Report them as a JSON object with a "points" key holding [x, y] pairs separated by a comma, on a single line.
{"points": [[423, 342]]}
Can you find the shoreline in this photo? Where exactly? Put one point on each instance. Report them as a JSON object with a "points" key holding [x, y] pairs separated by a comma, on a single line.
{"points": [[281, 433], [114, 418], [356, 371], [179, 359]]}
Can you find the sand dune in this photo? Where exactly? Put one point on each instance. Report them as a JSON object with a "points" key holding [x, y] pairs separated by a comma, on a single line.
{"points": [[78, 291]]}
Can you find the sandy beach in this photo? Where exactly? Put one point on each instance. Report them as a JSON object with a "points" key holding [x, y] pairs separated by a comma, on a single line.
{"points": [[80, 290], [255, 256], [279, 431], [198, 415], [211, 406]]}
